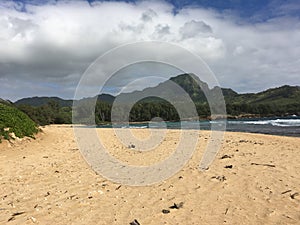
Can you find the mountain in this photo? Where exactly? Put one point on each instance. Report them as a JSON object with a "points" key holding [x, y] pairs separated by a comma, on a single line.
{"points": [[106, 98], [283, 95], [190, 83], [5, 102], [279, 101], [194, 87], [39, 101], [155, 102]]}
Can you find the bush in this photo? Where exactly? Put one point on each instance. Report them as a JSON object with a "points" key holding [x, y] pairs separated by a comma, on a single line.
{"points": [[13, 120]]}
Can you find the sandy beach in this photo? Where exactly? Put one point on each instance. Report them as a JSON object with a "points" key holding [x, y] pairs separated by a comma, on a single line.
{"points": [[255, 179]]}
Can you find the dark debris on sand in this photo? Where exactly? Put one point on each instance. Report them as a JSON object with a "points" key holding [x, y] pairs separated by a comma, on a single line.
{"points": [[135, 222], [225, 157], [294, 195], [165, 211], [219, 178], [13, 216], [228, 167], [176, 206]]}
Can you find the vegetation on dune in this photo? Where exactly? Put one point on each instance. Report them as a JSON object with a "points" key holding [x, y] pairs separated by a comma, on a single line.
{"points": [[14, 121]]}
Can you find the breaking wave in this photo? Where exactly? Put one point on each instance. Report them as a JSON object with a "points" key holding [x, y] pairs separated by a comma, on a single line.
{"points": [[273, 122]]}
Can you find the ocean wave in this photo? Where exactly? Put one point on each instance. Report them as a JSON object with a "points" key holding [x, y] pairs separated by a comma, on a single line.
{"points": [[276, 122], [138, 127]]}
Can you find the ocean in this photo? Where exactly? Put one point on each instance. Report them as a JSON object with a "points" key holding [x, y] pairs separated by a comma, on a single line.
{"points": [[286, 126]]}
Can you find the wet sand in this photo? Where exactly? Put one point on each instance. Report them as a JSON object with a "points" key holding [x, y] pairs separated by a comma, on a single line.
{"points": [[255, 179]]}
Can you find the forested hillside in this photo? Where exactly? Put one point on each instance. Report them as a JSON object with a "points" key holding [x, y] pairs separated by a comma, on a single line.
{"points": [[279, 101]]}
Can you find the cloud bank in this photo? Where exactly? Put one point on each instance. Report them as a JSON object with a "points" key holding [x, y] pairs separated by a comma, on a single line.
{"points": [[45, 48]]}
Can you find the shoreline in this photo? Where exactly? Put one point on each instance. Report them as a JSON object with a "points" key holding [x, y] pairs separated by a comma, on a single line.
{"points": [[175, 129], [275, 126], [296, 135]]}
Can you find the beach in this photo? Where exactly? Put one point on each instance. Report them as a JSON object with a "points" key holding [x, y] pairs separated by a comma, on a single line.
{"points": [[255, 179]]}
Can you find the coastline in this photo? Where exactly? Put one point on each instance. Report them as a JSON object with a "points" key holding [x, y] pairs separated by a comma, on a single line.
{"points": [[47, 181], [282, 126]]}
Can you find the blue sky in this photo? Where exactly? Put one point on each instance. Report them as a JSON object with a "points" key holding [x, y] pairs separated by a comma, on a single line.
{"points": [[47, 45], [245, 8]]}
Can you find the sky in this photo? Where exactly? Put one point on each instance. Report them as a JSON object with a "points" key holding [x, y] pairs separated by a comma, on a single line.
{"points": [[46, 46]]}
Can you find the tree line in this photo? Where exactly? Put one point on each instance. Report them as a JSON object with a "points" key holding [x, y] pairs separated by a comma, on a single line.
{"points": [[53, 113], [50, 113]]}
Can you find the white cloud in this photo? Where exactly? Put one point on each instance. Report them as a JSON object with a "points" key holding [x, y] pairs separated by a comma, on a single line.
{"points": [[194, 28], [55, 42]]}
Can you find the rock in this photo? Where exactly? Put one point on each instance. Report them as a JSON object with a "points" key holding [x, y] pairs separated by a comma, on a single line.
{"points": [[71, 197], [228, 166], [225, 157], [12, 134], [220, 178], [135, 222], [33, 219], [294, 195], [165, 211]]}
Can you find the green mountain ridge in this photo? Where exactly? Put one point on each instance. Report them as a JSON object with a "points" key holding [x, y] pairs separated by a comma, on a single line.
{"points": [[194, 87], [282, 95], [281, 101], [40, 101]]}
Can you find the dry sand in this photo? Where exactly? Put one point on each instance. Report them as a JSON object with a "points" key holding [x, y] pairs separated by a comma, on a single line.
{"points": [[46, 181]]}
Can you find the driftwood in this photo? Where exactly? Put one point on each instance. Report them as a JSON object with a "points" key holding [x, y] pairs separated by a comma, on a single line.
{"points": [[286, 192], [263, 164], [14, 215]]}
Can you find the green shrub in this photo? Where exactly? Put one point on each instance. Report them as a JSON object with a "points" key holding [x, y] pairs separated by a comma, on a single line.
{"points": [[17, 122]]}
